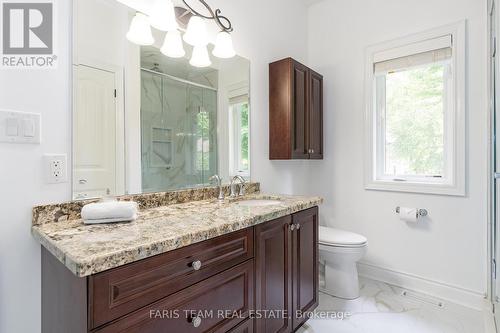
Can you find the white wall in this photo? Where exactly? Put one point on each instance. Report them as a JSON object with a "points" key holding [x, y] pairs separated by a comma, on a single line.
{"points": [[449, 248], [257, 37], [21, 182], [265, 31]]}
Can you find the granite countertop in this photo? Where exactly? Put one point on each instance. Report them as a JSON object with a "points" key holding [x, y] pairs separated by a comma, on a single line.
{"points": [[90, 249]]}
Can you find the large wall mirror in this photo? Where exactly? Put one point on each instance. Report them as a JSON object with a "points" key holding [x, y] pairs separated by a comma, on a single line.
{"points": [[145, 122]]}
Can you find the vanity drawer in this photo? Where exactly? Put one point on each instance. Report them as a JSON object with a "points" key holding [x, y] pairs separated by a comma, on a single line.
{"points": [[244, 327], [230, 291], [119, 291]]}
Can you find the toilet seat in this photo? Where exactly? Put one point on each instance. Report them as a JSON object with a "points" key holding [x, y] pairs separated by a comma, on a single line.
{"points": [[340, 238]]}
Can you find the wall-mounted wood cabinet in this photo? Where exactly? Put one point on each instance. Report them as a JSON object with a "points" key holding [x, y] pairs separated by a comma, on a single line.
{"points": [[295, 111]]}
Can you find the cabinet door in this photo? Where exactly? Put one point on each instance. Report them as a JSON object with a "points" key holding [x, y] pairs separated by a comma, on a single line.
{"points": [[315, 116], [305, 264], [300, 97], [273, 264]]}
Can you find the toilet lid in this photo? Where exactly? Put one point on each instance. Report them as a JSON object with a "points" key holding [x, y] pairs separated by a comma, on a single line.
{"points": [[337, 237]]}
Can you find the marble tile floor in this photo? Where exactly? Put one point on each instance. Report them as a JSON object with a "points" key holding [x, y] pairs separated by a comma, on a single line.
{"points": [[382, 308]]}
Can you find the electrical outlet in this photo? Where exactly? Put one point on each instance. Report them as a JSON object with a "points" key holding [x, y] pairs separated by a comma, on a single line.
{"points": [[55, 168]]}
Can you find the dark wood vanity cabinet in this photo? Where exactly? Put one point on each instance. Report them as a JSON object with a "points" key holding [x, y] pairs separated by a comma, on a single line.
{"points": [[295, 111], [272, 266], [305, 270], [286, 264]]}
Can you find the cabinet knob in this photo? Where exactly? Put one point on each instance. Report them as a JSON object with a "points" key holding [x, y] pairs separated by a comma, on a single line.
{"points": [[196, 265], [196, 321], [297, 226], [292, 227]]}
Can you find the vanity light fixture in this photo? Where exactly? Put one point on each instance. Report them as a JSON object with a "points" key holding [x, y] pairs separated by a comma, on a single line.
{"points": [[172, 46], [196, 33], [163, 17], [224, 46], [200, 57], [140, 31]]}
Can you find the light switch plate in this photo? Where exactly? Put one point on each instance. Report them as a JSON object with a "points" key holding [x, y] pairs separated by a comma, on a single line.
{"points": [[12, 127], [56, 168], [19, 127]]}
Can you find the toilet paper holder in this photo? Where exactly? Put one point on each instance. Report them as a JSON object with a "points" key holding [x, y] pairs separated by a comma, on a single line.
{"points": [[420, 212]]}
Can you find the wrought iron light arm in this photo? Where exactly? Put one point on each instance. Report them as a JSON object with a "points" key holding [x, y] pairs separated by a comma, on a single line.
{"points": [[222, 21]]}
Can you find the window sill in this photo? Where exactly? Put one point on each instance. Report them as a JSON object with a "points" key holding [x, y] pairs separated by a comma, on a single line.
{"points": [[416, 187]]}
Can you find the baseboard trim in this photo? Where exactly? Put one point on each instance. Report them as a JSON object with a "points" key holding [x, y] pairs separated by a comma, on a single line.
{"points": [[422, 285]]}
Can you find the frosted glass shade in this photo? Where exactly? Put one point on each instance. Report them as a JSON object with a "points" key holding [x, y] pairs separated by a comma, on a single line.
{"points": [[196, 33], [140, 31], [172, 46], [163, 16], [224, 46], [200, 57]]}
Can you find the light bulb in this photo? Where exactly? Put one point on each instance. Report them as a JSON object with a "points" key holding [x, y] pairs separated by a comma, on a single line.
{"points": [[224, 46], [163, 16], [140, 31], [200, 57], [172, 46], [196, 33]]}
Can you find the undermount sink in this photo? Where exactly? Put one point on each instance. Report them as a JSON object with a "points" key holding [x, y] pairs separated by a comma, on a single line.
{"points": [[258, 202]]}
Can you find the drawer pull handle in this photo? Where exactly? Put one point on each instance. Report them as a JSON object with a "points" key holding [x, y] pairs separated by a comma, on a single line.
{"points": [[196, 265], [196, 321]]}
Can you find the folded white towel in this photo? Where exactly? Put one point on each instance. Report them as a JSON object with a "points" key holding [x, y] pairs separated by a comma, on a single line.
{"points": [[103, 221], [110, 210]]}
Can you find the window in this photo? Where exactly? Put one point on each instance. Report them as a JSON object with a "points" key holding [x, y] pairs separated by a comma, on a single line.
{"points": [[415, 117], [239, 109], [202, 142]]}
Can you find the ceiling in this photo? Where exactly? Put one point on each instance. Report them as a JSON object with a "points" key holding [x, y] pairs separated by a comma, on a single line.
{"points": [[145, 5], [311, 2]]}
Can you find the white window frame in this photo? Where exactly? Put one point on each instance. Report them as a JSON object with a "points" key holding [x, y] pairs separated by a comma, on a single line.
{"points": [[455, 159], [238, 91], [236, 116]]}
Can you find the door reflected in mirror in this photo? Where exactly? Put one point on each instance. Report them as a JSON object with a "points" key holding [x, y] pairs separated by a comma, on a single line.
{"points": [[145, 122]]}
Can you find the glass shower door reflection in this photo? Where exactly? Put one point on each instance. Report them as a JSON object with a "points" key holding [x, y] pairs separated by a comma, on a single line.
{"points": [[178, 133]]}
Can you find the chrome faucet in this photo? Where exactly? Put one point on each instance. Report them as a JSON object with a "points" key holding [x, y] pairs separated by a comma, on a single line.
{"points": [[233, 186], [219, 185]]}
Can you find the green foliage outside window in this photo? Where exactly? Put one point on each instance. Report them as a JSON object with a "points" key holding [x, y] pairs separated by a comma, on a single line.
{"points": [[202, 130], [414, 121], [244, 137]]}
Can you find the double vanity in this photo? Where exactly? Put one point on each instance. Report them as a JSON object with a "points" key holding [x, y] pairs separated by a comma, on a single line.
{"points": [[189, 263]]}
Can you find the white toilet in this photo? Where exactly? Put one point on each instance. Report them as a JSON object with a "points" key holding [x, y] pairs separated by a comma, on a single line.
{"points": [[341, 250]]}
